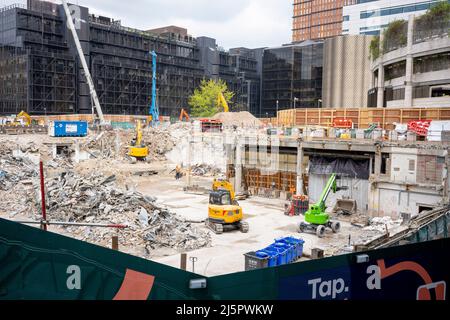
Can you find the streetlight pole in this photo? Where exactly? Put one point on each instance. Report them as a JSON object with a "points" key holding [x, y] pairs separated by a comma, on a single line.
{"points": [[277, 113]]}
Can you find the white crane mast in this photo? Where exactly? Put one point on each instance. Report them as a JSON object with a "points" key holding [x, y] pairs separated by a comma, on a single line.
{"points": [[84, 63]]}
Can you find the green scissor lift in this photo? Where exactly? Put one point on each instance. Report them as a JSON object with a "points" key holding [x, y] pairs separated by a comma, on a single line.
{"points": [[316, 217]]}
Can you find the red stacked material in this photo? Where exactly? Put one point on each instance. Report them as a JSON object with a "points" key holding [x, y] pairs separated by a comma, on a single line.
{"points": [[343, 123], [299, 205], [420, 127]]}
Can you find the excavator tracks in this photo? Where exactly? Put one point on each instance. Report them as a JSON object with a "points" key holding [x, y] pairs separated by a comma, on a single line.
{"points": [[219, 228]]}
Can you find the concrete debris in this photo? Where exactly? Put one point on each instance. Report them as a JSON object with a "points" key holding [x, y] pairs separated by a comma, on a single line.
{"points": [[114, 144], [360, 221], [96, 198], [205, 170], [14, 170], [380, 224]]}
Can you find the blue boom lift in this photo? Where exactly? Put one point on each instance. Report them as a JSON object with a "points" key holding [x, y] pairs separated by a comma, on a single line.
{"points": [[154, 110]]}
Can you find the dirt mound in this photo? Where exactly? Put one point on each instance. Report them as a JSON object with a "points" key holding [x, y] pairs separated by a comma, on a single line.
{"points": [[240, 119]]}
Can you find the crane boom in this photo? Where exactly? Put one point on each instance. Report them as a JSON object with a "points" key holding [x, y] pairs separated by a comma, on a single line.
{"points": [[221, 101], [84, 63]]}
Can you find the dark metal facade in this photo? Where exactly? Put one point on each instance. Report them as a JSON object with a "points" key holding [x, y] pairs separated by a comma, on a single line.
{"points": [[289, 72], [40, 71]]}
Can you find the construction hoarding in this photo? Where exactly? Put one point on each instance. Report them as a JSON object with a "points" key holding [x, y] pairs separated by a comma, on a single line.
{"points": [[35, 264]]}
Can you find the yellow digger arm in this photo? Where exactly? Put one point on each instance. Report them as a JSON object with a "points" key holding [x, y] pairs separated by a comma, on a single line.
{"points": [[25, 115], [221, 101]]}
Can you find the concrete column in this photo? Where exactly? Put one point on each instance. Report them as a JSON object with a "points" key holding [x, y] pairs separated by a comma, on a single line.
{"points": [[380, 95], [238, 167], [377, 163], [190, 142], [409, 65], [300, 155]]}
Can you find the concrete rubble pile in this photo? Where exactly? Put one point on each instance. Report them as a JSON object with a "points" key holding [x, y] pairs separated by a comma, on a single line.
{"points": [[16, 179], [159, 142], [114, 144], [205, 170], [97, 199], [381, 223]]}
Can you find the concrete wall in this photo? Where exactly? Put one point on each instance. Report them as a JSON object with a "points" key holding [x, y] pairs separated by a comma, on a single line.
{"points": [[393, 200], [400, 165], [346, 72]]}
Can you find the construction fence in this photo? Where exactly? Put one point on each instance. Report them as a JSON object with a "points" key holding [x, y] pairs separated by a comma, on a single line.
{"points": [[362, 118], [36, 264]]}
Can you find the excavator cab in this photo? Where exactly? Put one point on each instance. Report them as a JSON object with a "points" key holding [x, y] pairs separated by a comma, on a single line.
{"points": [[220, 198]]}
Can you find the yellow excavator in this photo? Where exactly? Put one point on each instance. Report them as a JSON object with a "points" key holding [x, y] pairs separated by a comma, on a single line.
{"points": [[221, 101], [224, 212], [137, 149], [25, 117]]}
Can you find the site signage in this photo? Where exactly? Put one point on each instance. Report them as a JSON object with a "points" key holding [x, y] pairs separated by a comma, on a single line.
{"points": [[422, 276]]}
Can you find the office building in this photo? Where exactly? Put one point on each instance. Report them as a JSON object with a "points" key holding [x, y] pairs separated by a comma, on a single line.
{"points": [[292, 77], [40, 71], [369, 17], [317, 19]]}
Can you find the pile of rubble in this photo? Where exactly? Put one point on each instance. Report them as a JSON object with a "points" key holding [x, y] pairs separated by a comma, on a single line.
{"points": [[205, 170], [114, 144], [159, 142], [381, 223], [96, 198], [17, 174]]}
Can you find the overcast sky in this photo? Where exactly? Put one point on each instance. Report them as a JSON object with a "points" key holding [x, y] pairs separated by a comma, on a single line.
{"points": [[234, 23]]}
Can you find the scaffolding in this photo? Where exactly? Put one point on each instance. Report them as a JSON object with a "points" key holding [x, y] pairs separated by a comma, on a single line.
{"points": [[40, 70]]}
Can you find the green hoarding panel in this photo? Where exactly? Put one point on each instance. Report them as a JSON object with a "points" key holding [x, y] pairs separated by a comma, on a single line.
{"points": [[35, 264]]}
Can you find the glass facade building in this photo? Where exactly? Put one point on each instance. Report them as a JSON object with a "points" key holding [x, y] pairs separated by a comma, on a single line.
{"points": [[40, 71], [292, 72], [370, 17]]}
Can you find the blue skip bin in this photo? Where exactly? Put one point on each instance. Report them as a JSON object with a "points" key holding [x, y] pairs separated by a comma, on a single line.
{"points": [[273, 256], [282, 251], [282, 254], [289, 250], [294, 245]]}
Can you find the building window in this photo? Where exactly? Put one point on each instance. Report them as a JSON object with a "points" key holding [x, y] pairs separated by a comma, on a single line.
{"points": [[412, 165], [395, 70], [421, 92], [346, 18], [396, 10], [432, 63]]}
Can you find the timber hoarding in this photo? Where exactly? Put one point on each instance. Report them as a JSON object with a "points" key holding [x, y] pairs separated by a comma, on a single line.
{"points": [[35, 264]]}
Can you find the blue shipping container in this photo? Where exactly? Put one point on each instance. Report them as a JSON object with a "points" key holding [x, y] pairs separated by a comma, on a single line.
{"points": [[68, 129]]}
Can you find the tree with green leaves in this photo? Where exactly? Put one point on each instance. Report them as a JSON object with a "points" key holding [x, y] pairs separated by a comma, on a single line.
{"points": [[203, 101]]}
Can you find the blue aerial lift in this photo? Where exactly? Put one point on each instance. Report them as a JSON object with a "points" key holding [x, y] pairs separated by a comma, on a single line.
{"points": [[154, 110]]}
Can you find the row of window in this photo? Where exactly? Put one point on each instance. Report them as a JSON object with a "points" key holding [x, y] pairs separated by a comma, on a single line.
{"points": [[397, 10]]}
